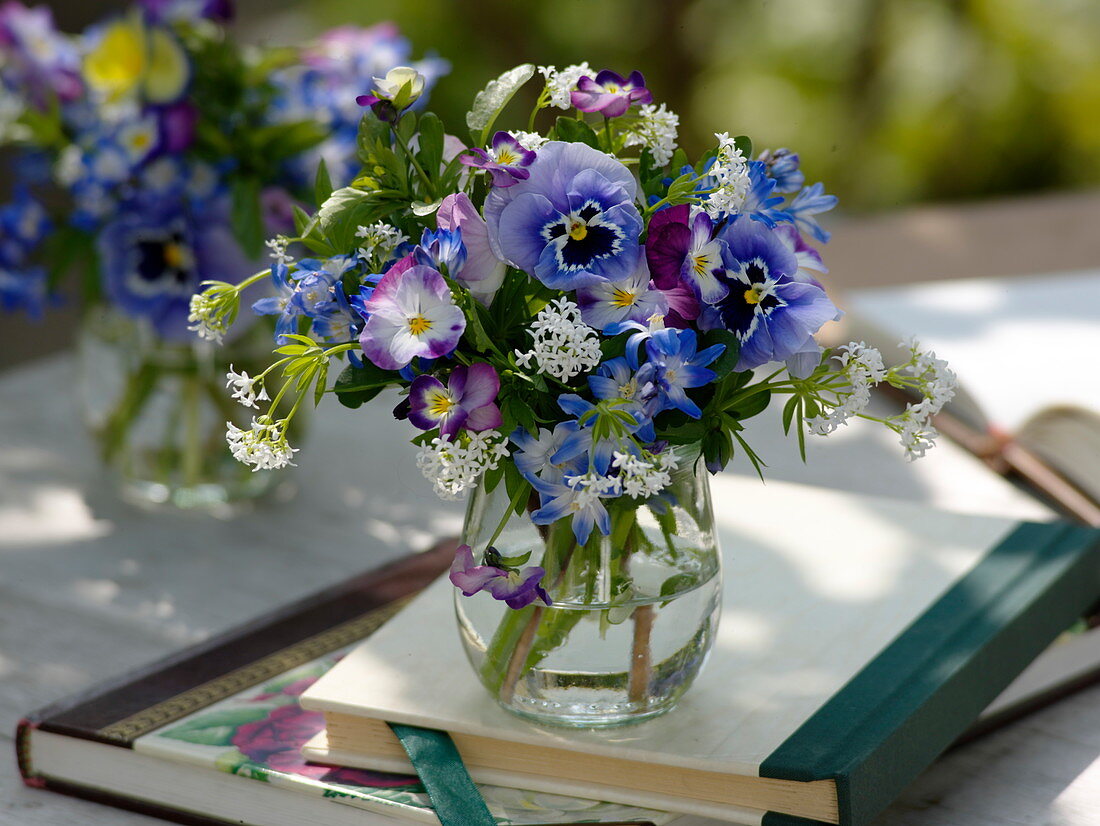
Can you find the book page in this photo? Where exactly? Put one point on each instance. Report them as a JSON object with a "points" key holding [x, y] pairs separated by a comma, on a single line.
{"points": [[1018, 345]]}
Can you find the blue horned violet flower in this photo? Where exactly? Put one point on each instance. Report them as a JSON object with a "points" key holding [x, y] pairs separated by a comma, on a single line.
{"points": [[468, 400], [411, 313], [516, 588], [441, 250], [609, 93], [773, 315], [806, 204], [782, 165], [506, 159], [533, 457], [673, 366], [572, 222]]}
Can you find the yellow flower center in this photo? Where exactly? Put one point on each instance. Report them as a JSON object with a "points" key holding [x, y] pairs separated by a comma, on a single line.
{"points": [[622, 298], [440, 405], [418, 325], [611, 87], [505, 157], [578, 230], [754, 293], [699, 264], [175, 256]]}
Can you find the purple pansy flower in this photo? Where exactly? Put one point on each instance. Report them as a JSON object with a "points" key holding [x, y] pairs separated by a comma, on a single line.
{"points": [[773, 315], [632, 298], [483, 272], [610, 93], [572, 222], [467, 401], [684, 250], [516, 588], [506, 160], [410, 314]]}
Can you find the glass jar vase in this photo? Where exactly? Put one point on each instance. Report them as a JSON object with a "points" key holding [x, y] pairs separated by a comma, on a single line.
{"points": [[633, 613], [157, 410]]}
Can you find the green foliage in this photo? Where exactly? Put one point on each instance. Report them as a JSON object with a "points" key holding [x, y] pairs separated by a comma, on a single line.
{"points": [[246, 215], [490, 101], [575, 131], [356, 386]]}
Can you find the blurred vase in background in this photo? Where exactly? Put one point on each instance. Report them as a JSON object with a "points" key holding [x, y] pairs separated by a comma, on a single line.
{"points": [[152, 153]]}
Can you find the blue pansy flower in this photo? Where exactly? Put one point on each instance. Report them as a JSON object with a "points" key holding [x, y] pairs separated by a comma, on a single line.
{"points": [[573, 222], [773, 315]]}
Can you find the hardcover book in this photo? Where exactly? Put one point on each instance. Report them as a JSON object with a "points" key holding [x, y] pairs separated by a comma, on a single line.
{"points": [[843, 665], [1049, 435], [188, 738]]}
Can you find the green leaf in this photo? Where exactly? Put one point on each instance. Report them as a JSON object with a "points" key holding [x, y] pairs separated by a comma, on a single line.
{"points": [[749, 406], [430, 153], [284, 140], [322, 185], [675, 585], [491, 100], [343, 212], [372, 133], [576, 131], [246, 216], [685, 434], [302, 219], [322, 384], [515, 561], [744, 143], [356, 386], [725, 363]]}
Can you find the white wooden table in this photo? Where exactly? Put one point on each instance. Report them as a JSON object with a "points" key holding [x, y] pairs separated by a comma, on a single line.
{"points": [[90, 587]]}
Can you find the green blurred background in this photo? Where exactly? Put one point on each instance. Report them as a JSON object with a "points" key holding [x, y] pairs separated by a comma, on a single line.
{"points": [[889, 101]]}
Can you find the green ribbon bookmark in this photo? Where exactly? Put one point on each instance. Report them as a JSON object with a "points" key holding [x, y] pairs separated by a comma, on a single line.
{"points": [[456, 799]]}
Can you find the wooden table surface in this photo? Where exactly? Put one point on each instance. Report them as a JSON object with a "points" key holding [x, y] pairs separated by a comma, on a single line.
{"points": [[90, 587]]}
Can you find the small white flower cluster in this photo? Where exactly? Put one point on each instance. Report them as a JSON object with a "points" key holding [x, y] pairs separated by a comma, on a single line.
{"points": [[731, 172], [592, 486], [245, 388], [454, 467], [641, 478], [863, 367], [655, 129], [564, 346], [936, 383], [380, 239], [560, 84], [69, 167], [205, 318], [264, 445], [529, 140], [278, 246]]}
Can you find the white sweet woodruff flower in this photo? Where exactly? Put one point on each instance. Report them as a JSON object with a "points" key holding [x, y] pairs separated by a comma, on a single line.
{"points": [[244, 388], [529, 140], [205, 319], [863, 368], [730, 171], [263, 446], [640, 477], [564, 346], [278, 246], [592, 486], [560, 84], [655, 130], [380, 239], [455, 466]]}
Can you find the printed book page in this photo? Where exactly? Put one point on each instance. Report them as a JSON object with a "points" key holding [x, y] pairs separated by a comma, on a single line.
{"points": [[1018, 345]]}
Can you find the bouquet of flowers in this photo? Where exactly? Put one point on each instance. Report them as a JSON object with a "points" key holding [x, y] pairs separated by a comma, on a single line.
{"points": [[178, 152], [578, 320]]}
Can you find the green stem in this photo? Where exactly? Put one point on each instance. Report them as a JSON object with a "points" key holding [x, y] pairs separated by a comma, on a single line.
{"points": [[608, 134], [415, 165], [191, 461], [139, 386]]}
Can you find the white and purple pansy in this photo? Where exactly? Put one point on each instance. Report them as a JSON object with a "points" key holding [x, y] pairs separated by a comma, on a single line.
{"points": [[633, 298], [609, 93], [773, 315], [506, 160], [411, 314], [468, 400], [572, 222]]}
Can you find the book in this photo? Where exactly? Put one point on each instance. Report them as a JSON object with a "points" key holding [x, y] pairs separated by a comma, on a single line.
{"points": [[1029, 395], [187, 738], [843, 665]]}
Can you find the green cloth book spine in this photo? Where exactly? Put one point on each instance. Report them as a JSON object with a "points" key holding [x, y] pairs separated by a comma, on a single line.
{"points": [[909, 703]]}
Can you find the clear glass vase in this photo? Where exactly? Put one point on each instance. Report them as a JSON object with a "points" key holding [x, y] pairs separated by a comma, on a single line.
{"points": [[634, 613], [157, 411]]}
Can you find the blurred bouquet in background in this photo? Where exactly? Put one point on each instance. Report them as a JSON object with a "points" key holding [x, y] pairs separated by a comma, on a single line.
{"points": [[578, 318], [153, 152]]}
